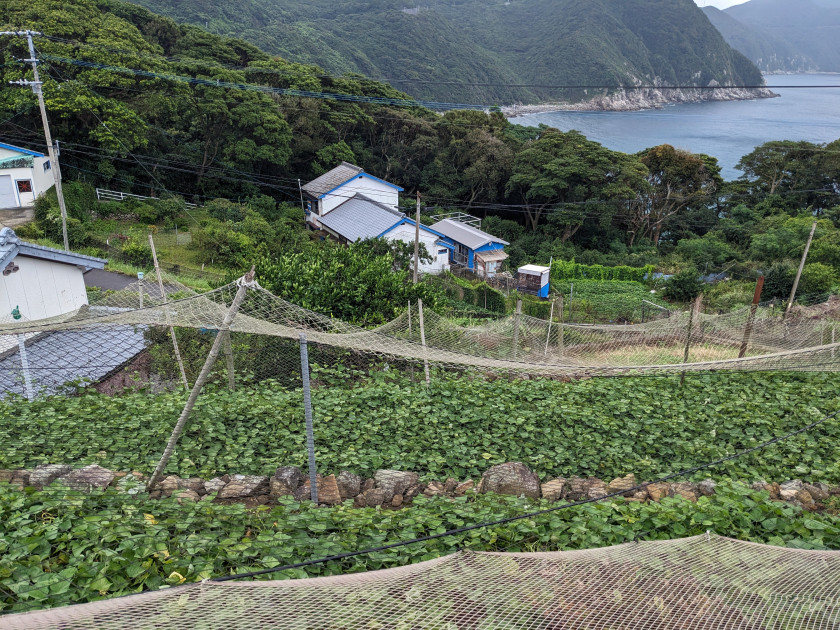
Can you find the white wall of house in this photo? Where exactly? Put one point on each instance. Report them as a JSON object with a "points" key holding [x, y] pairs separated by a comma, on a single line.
{"points": [[12, 191], [376, 190], [405, 232], [42, 288]]}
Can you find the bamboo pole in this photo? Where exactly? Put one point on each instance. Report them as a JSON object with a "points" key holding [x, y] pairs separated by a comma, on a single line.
{"points": [[166, 311], [229, 365], [243, 283], [560, 342], [548, 336], [759, 285], [516, 321], [423, 341], [799, 271], [411, 364], [691, 314]]}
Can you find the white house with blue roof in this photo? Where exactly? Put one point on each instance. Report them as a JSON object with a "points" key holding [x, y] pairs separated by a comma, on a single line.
{"points": [[24, 176], [351, 205]]}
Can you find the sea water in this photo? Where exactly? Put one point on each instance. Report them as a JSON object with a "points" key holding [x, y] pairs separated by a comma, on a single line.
{"points": [[727, 130]]}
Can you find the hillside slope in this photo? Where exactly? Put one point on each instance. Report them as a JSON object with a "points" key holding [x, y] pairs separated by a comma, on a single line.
{"points": [[810, 27], [770, 53], [486, 51]]}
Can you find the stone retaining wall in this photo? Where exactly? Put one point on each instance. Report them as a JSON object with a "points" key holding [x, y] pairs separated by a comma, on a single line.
{"points": [[394, 488]]}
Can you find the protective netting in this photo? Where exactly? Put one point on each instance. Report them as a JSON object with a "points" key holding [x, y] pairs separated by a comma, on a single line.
{"points": [[744, 339], [707, 582]]}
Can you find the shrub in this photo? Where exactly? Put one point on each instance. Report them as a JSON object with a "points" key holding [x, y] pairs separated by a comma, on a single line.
{"points": [[684, 286], [816, 278], [136, 253]]}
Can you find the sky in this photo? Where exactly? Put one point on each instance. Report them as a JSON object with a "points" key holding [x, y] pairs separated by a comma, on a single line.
{"points": [[720, 4]]}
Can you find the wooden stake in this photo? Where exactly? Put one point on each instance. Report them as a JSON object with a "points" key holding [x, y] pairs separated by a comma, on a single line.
{"points": [[801, 267], [560, 340], [516, 319], [211, 359], [423, 341], [548, 336], [759, 285], [166, 311], [691, 313]]}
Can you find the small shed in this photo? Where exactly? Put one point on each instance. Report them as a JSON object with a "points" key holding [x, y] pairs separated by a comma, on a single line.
{"points": [[533, 279], [24, 176]]}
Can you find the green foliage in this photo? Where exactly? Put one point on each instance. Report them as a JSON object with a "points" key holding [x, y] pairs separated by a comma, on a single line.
{"points": [[486, 46], [58, 550], [559, 429], [709, 250], [778, 281], [136, 253], [570, 270], [817, 278], [477, 293], [356, 283], [684, 286], [599, 301]]}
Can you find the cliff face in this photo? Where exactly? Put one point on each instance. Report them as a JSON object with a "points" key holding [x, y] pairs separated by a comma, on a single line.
{"points": [[488, 51], [632, 100]]}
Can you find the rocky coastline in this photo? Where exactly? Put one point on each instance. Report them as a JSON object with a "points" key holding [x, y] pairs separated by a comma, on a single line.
{"points": [[635, 100]]}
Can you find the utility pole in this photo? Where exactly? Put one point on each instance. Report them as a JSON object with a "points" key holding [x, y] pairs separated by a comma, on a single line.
{"points": [[51, 149], [799, 272], [417, 240]]}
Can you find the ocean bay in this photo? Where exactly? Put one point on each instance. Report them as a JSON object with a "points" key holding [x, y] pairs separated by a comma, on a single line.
{"points": [[727, 130]]}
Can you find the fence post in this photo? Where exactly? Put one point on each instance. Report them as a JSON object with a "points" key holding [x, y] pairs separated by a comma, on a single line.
{"points": [[759, 285], [548, 336], [571, 298], [423, 341], [561, 340], [24, 365], [516, 320], [166, 310], [411, 363], [140, 286], [244, 284], [695, 307], [799, 272], [307, 410]]}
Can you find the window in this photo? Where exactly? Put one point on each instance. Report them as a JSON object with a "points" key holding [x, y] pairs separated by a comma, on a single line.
{"points": [[24, 186], [47, 166], [442, 251]]}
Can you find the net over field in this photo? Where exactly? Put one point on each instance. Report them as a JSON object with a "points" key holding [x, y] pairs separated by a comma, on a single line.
{"points": [[707, 582], [745, 339]]}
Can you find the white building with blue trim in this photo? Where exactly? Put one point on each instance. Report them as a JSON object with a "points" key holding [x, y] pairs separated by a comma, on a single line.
{"points": [[473, 248], [351, 205], [24, 176]]}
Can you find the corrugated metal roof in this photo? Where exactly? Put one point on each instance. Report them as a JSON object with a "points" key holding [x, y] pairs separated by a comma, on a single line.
{"points": [[17, 161], [532, 269], [494, 255], [466, 234], [68, 356], [11, 246], [331, 179], [361, 217]]}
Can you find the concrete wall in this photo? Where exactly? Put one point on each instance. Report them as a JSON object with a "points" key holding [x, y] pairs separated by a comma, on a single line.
{"points": [[41, 180], [371, 188], [405, 232], [42, 288]]}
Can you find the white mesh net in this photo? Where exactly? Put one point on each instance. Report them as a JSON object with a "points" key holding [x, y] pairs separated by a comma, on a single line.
{"points": [[707, 582]]}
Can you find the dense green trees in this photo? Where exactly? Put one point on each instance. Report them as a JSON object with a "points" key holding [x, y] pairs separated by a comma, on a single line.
{"points": [[552, 194]]}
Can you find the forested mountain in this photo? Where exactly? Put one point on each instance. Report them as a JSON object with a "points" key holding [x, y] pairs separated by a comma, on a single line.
{"points": [[809, 28], [767, 51], [494, 43]]}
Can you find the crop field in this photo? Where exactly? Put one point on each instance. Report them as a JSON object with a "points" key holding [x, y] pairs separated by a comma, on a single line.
{"points": [[459, 426], [62, 548]]}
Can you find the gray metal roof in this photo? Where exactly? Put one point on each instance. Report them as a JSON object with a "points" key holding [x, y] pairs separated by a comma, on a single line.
{"points": [[342, 173], [361, 217], [11, 246], [465, 234], [68, 356]]}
